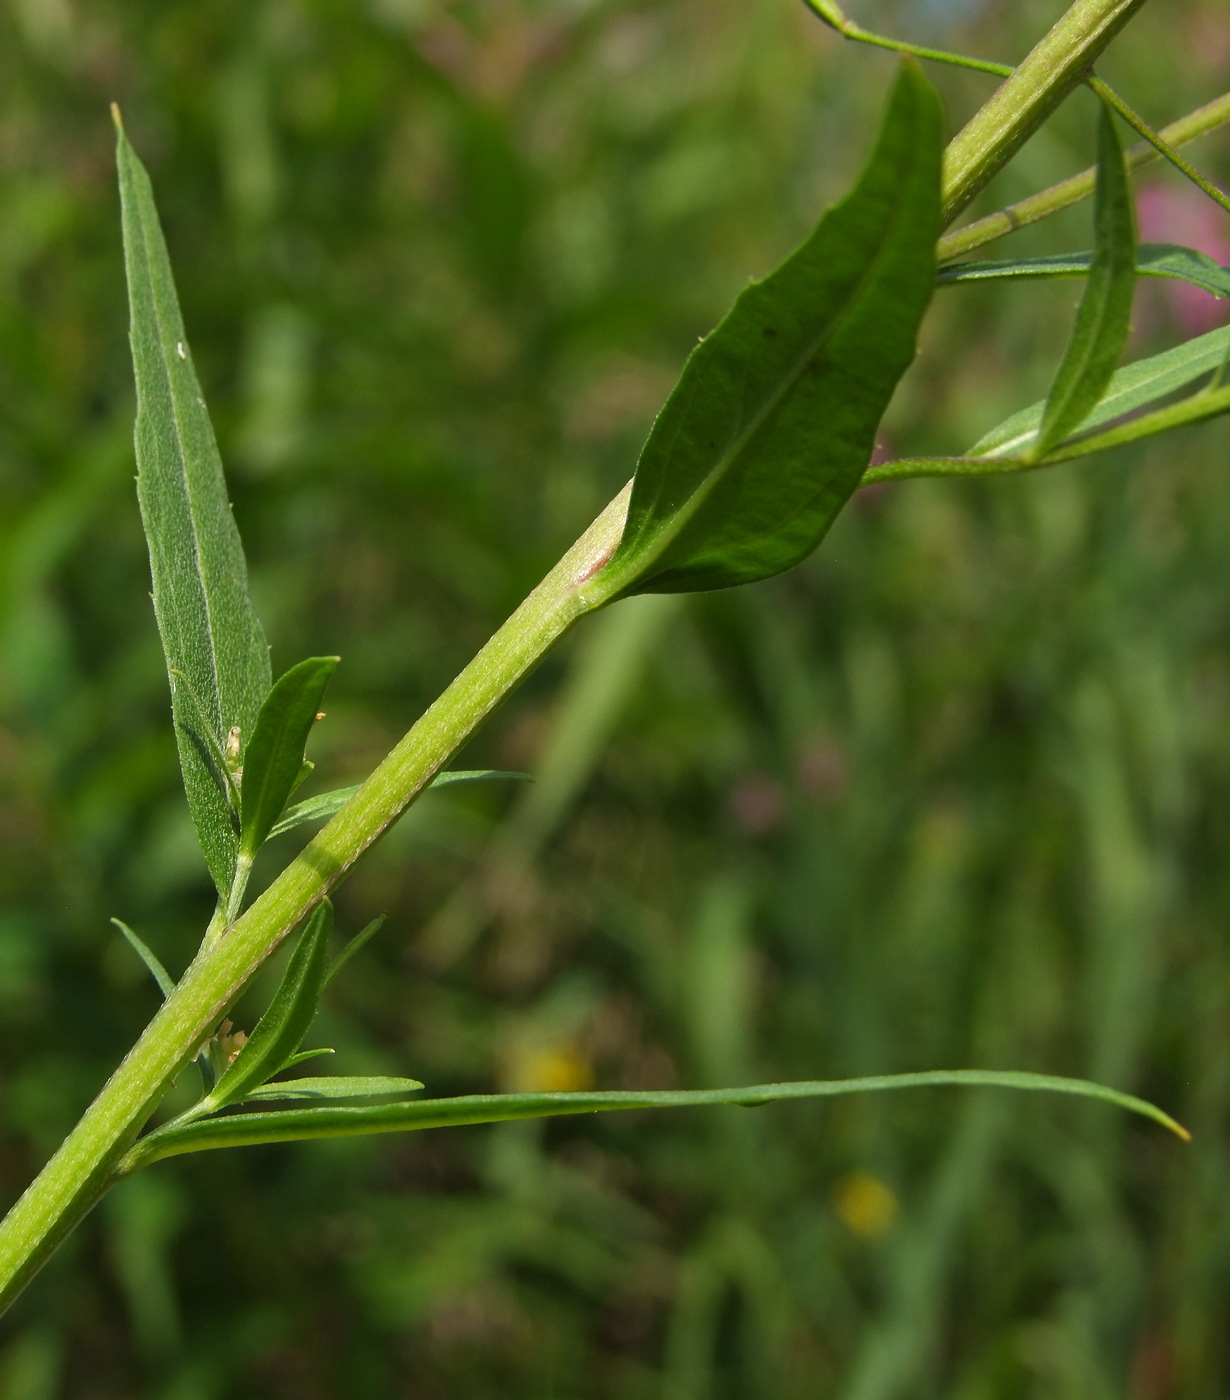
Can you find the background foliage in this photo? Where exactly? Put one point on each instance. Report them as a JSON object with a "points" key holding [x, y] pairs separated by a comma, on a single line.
{"points": [[953, 793]]}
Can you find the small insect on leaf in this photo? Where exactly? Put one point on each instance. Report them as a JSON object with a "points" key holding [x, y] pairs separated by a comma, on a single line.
{"points": [[280, 1030], [1104, 317], [273, 763], [210, 633], [774, 418]]}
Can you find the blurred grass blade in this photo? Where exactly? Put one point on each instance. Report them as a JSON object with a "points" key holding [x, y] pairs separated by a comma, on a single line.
{"points": [[358, 942], [774, 417], [283, 1026], [209, 631], [1130, 388], [166, 984], [1152, 260], [292, 1125], [1104, 316], [314, 809], [273, 760], [341, 1087]]}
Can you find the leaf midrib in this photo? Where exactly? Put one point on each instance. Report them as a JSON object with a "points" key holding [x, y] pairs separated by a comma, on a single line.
{"points": [[659, 539]]}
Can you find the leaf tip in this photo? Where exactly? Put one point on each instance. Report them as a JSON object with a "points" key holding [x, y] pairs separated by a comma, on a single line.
{"points": [[117, 118]]}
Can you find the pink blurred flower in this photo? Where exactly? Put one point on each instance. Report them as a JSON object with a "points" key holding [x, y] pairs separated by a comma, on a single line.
{"points": [[1181, 214]]}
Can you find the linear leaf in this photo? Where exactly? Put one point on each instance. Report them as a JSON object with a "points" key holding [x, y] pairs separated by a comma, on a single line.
{"points": [[1152, 260], [293, 1125], [273, 760], [1130, 388], [285, 1023], [359, 941], [774, 417], [314, 809], [209, 632], [1104, 317], [166, 983], [334, 1087]]}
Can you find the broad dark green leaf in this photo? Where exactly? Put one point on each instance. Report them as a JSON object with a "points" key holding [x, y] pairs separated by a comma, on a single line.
{"points": [[280, 1030], [1130, 388], [339, 1087], [209, 631], [166, 983], [1104, 317], [327, 804], [273, 762], [774, 417], [1152, 260], [291, 1125]]}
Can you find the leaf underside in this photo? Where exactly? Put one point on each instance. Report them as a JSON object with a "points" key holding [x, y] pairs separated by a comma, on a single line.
{"points": [[1135, 385], [248, 1129], [1152, 260], [1104, 317], [209, 630], [774, 418]]}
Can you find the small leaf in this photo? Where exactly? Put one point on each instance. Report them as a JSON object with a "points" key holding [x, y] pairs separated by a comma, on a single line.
{"points": [[1152, 260], [356, 943], [340, 1087], [302, 1055], [314, 809], [1130, 388], [166, 984], [279, 1031], [774, 417], [273, 760], [209, 630], [1104, 317], [293, 1125]]}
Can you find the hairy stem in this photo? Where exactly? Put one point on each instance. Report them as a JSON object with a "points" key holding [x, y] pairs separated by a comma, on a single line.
{"points": [[86, 1163]]}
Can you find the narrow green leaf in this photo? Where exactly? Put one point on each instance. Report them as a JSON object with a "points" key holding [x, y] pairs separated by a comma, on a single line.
{"points": [[166, 984], [356, 943], [293, 1125], [302, 1055], [327, 804], [1152, 260], [1130, 388], [209, 631], [1104, 317], [1196, 408], [273, 760], [279, 1031], [340, 1087], [774, 417]]}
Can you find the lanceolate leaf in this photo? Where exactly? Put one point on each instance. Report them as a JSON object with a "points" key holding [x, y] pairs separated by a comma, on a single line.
{"points": [[1130, 388], [774, 417], [314, 809], [339, 1087], [293, 1125], [1104, 316], [209, 631], [1152, 260], [273, 760], [279, 1031]]}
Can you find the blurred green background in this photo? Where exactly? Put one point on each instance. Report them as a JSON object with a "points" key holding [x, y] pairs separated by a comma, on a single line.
{"points": [[954, 793]]}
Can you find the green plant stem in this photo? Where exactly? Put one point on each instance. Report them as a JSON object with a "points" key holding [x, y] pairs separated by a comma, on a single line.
{"points": [[1077, 187], [85, 1164], [848, 29], [1037, 86]]}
